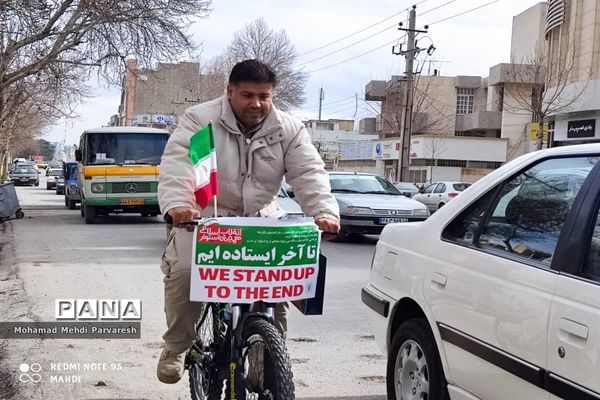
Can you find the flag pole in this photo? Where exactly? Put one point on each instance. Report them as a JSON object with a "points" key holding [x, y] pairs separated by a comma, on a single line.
{"points": [[215, 205]]}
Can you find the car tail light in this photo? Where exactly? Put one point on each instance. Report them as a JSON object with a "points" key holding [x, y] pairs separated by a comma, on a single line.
{"points": [[452, 195]]}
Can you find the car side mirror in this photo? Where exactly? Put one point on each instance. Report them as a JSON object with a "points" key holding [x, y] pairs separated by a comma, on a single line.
{"points": [[421, 190], [78, 155]]}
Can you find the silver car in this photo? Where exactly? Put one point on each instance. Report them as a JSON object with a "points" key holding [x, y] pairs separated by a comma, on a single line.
{"points": [[369, 202], [289, 206]]}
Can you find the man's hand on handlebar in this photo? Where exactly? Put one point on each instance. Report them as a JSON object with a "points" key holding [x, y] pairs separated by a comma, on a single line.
{"points": [[181, 214], [329, 227]]}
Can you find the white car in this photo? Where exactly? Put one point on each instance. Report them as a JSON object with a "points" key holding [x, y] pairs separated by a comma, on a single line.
{"points": [[497, 295], [438, 194]]}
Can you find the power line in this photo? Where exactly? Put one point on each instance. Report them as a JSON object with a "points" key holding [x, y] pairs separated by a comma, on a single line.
{"points": [[357, 56], [464, 12], [357, 32], [350, 45], [377, 48], [330, 103]]}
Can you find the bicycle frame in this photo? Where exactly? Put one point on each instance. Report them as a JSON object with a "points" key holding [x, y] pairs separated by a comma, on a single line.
{"points": [[229, 355]]}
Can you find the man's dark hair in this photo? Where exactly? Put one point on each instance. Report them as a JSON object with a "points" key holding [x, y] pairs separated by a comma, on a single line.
{"points": [[252, 71]]}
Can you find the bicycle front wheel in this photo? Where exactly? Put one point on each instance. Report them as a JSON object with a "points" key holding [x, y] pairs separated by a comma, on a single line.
{"points": [[202, 366], [267, 368]]}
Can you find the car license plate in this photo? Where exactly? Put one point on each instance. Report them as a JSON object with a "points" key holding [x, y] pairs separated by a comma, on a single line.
{"points": [[388, 220], [132, 202], [24, 179]]}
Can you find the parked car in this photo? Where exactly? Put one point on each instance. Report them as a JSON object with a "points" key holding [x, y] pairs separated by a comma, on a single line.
{"points": [[438, 194], [503, 300], [60, 185], [53, 175], [406, 188], [291, 208], [53, 165], [72, 192], [24, 174], [369, 202]]}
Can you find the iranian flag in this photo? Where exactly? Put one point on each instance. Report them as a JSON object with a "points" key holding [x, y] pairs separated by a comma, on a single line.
{"points": [[203, 157]]}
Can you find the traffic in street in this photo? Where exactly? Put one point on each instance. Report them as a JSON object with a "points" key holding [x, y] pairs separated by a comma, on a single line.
{"points": [[334, 356]]}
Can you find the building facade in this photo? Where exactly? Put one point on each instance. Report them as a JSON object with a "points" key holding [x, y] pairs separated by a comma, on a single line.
{"points": [[155, 98], [572, 31], [340, 146], [446, 111]]}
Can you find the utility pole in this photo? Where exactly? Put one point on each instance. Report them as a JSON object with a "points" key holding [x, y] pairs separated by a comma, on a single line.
{"points": [[321, 97], [410, 54]]}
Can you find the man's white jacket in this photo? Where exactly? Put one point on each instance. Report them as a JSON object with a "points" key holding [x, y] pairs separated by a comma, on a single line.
{"points": [[250, 171]]}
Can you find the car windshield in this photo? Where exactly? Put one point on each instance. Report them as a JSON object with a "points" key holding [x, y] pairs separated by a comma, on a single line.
{"points": [[459, 187], [125, 148], [72, 170], [349, 183], [25, 170]]}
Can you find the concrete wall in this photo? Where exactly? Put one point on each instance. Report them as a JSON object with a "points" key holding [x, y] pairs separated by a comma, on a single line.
{"points": [[367, 166], [459, 148], [576, 43], [169, 89], [515, 118], [528, 34], [435, 101], [440, 173]]}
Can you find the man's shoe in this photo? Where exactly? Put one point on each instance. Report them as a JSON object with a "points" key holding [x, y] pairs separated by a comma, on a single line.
{"points": [[170, 366]]}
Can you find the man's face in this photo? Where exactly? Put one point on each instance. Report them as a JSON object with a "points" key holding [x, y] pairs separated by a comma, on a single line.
{"points": [[250, 101]]}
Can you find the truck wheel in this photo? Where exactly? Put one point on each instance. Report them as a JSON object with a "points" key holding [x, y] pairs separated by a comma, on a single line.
{"points": [[89, 214], [71, 204], [19, 214]]}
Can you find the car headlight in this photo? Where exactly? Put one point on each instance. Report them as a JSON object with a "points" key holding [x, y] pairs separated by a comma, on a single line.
{"points": [[421, 212], [359, 210], [97, 188]]}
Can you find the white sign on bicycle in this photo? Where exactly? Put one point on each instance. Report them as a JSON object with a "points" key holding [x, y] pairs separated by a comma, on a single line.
{"points": [[243, 260]]}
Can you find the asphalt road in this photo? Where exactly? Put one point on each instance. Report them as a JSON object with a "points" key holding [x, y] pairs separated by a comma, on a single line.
{"points": [[52, 254]]}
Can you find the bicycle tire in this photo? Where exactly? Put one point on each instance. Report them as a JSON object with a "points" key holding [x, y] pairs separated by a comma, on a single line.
{"points": [[202, 370], [276, 382]]}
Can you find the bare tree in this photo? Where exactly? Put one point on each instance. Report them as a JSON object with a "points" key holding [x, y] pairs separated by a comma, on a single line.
{"points": [[25, 109], [436, 146], [428, 116], [539, 87], [49, 46], [257, 41]]}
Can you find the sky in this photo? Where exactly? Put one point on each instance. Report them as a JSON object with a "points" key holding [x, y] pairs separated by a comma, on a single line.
{"points": [[342, 44]]}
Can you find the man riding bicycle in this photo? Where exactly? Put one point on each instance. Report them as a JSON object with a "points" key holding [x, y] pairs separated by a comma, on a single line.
{"points": [[256, 146]]}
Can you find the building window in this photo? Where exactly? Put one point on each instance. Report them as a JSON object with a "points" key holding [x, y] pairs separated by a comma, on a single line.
{"points": [[484, 164], [417, 176], [464, 100], [451, 163]]}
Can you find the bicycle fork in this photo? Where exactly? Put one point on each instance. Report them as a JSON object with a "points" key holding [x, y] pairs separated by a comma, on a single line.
{"points": [[236, 367], [237, 386]]}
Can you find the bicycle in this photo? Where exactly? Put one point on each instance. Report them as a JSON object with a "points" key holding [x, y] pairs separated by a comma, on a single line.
{"points": [[240, 353]]}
